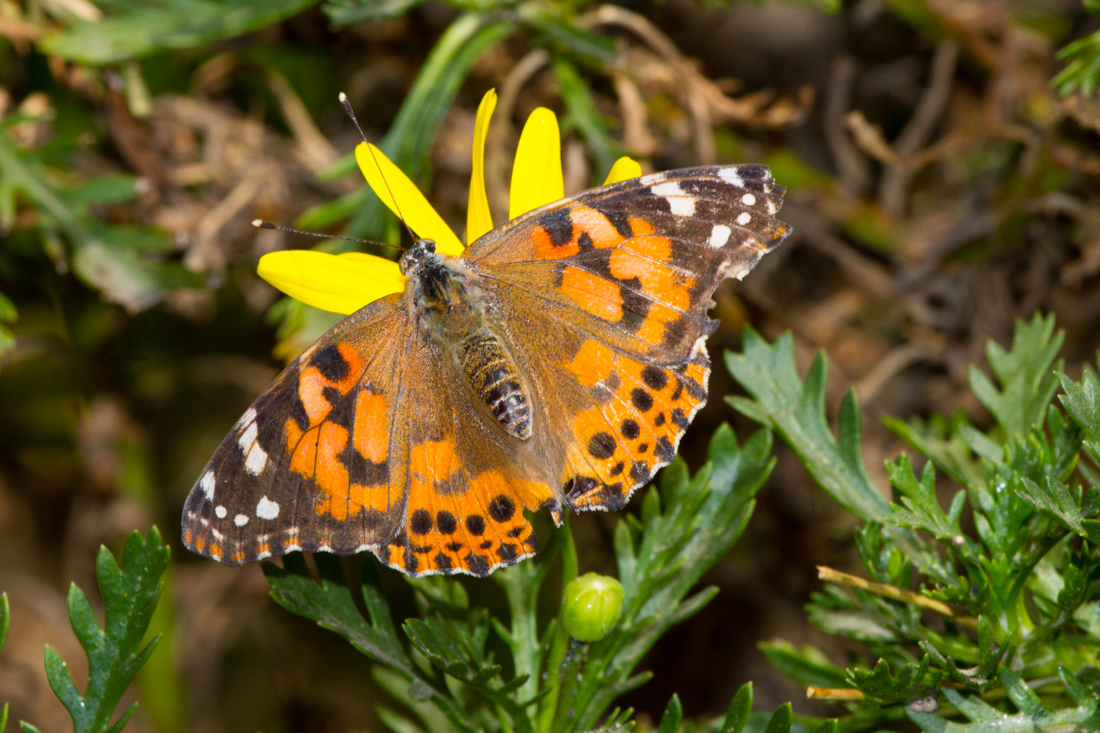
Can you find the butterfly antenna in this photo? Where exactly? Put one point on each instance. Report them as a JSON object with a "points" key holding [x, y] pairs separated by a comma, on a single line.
{"points": [[261, 224], [351, 113]]}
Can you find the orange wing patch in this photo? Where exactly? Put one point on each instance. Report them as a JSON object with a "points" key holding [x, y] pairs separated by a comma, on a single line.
{"points": [[343, 451], [594, 294], [640, 412], [458, 524]]}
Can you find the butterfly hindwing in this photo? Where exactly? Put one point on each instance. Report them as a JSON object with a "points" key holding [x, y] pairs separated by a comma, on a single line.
{"points": [[468, 482]]}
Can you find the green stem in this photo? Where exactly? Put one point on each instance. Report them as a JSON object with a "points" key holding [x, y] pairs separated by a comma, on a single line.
{"points": [[560, 642]]}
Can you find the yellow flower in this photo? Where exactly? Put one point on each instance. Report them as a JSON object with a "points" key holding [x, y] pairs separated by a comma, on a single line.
{"points": [[345, 283]]}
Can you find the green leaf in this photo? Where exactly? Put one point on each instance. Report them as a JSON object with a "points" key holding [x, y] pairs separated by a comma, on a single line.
{"points": [[808, 666], [673, 716], [1082, 401], [351, 12], [1024, 371], [137, 28], [738, 713], [115, 654], [781, 720], [1032, 715], [5, 622], [568, 37], [912, 682], [331, 606], [796, 410], [1057, 501], [939, 439], [1082, 72], [582, 114], [919, 506]]}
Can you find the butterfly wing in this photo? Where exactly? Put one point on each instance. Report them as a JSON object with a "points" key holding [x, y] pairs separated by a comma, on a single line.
{"points": [[469, 482], [310, 465], [604, 298]]}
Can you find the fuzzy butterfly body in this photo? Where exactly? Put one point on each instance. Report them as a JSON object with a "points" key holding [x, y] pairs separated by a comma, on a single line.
{"points": [[556, 363]]}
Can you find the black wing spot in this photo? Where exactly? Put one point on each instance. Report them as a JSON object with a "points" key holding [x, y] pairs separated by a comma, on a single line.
{"points": [[364, 472], [659, 420], [331, 395], [298, 413], [412, 562], [664, 450], [619, 219], [442, 562], [641, 399], [630, 429], [559, 225], [331, 363], [475, 525], [454, 546], [502, 508], [617, 469], [639, 472], [602, 446], [515, 531], [445, 522], [654, 378], [486, 544], [643, 448], [420, 522], [478, 564], [507, 552]]}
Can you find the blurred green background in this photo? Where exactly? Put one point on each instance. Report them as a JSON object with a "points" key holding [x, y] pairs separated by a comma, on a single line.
{"points": [[942, 159]]}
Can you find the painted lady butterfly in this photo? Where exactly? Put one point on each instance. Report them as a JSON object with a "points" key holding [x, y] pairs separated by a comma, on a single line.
{"points": [[556, 362]]}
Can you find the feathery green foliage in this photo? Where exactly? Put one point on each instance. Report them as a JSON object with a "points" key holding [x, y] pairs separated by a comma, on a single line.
{"points": [[115, 651], [440, 669], [1001, 628]]}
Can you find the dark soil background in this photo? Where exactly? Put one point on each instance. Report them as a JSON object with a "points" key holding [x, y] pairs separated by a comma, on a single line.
{"points": [[940, 189]]}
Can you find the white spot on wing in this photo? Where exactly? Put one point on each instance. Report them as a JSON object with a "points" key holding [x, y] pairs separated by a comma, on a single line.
{"points": [[744, 218], [681, 203], [719, 235], [267, 509], [731, 176], [748, 199], [263, 555], [220, 511], [772, 208], [324, 548], [255, 457], [293, 548], [207, 484], [249, 416], [240, 520]]}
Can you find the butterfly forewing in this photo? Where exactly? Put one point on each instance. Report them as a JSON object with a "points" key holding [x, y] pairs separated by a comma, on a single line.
{"points": [[309, 465], [620, 279]]}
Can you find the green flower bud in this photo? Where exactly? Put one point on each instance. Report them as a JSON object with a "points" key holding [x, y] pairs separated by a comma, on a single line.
{"points": [[591, 606]]}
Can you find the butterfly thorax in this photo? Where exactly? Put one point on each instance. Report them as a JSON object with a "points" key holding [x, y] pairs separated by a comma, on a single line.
{"points": [[451, 307]]}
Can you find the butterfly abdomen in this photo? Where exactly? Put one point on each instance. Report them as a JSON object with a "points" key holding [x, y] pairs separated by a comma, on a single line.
{"points": [[491, 372]]}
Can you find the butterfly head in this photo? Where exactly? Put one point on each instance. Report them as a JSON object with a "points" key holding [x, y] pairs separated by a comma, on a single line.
{"points": [[415, 257]]}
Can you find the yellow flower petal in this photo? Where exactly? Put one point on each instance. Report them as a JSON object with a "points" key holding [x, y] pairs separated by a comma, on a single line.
{"points": [[478, 219], [341, 284], [536, 173], [624, 169], [418, 213]]}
